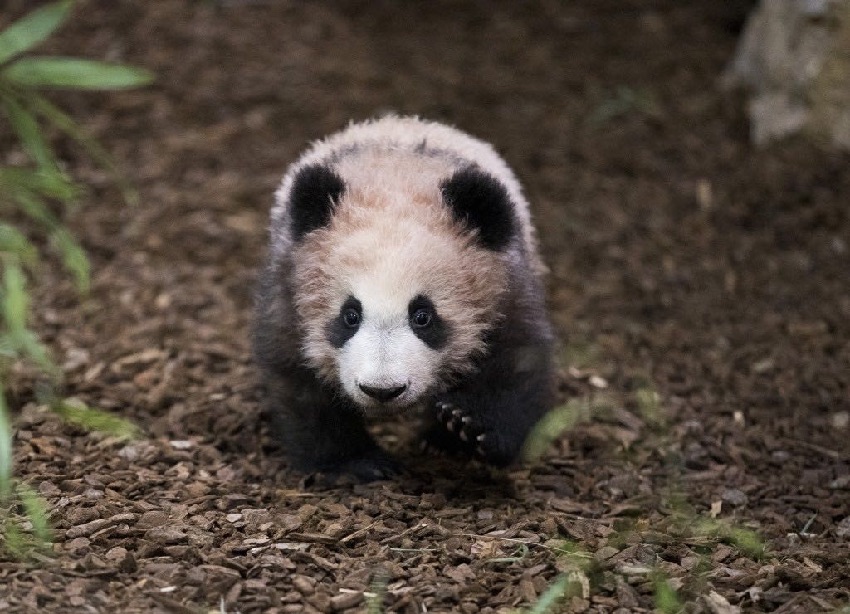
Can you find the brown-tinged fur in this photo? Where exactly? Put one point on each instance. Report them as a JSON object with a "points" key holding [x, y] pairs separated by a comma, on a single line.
{"points": [[391, 236]]}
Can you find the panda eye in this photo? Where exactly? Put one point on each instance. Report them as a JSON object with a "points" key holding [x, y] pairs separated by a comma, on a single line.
{"points": [[351, 317], [421, 318]]}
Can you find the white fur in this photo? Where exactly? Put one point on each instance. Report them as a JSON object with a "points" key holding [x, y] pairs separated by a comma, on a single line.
{"points": [[390, 239], [392, 133]]}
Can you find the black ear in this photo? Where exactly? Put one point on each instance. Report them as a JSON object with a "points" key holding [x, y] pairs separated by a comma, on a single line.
{"points": [[315, 191], [481, 202]]}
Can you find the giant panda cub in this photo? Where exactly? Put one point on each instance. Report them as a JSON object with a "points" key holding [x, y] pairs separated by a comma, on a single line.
{"points": [[402, 275]]}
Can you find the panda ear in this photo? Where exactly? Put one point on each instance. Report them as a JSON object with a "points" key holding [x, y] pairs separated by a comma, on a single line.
{"points": [[479, 201], [315, 191]]}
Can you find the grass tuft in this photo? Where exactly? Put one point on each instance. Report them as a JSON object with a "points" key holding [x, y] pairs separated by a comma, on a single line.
{"points": [[35, 195]]}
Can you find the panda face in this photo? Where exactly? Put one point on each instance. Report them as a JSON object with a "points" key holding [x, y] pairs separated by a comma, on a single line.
{"points": [[388, 350], [394, 297]]}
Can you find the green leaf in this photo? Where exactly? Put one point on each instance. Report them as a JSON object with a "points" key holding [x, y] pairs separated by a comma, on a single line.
{"points": [[666, 598], [74, 73], [555, 423], [26, 126], [92, 419], [13, 241], [35, 509], [31, 29], [5, 451], [35, 184], [31, 204], [14, 298], [13, 539], [66, 124], [73, 257], [27, 344], [551, 596]]}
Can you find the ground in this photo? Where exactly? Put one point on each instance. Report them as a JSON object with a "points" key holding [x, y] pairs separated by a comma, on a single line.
{"points": [[699, 288]]}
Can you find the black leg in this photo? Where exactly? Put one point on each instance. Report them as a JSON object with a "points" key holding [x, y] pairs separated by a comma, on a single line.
{"points": [[491, 415], [321, 431]]}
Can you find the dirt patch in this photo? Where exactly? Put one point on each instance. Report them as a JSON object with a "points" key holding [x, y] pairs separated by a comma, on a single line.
{"points": [[700, 289]]}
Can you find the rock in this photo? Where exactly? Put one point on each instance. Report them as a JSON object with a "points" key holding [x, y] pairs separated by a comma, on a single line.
{"points": [[794, 58], [735, 497]]}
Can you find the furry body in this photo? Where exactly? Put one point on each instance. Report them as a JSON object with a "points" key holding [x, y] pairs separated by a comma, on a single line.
{"points": [[403, 273]]}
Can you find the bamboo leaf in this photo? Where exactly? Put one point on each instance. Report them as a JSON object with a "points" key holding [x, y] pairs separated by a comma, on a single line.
{"points": [[551, 596], [13, 241], [31, 29], [26, 126], [28, 345], [32, 205], [73, 257], [555, 423], [5, 450], [14, 298], [92, 419], [74, 73], [66, 124], [35, 509], [13, 539], [50, 183]]}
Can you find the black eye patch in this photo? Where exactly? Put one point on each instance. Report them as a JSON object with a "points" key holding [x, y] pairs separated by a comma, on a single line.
{"points": [[346, 324], [426, 323]]}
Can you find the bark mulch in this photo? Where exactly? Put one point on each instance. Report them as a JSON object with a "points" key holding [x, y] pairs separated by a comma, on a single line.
{"points": [[700, 289]]}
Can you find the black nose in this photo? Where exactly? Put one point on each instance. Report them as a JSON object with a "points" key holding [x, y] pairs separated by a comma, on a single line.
{"points": [[383, 394]]}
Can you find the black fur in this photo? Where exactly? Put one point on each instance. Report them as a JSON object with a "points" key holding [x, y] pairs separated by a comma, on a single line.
{"points": [[320, 429], [512, 390], [481, 202], [436, 334], [488, 413], [315, 191]]}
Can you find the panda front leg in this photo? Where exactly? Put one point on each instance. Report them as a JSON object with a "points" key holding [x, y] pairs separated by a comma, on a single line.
{"points": [[322, 431], [490, 419]]}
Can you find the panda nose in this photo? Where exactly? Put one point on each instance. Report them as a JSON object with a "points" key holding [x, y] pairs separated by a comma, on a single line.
{"points": [[383, 394]]}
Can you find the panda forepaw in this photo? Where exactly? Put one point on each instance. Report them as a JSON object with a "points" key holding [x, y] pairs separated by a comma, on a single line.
{"points": [[462, 425], [367, 468]]}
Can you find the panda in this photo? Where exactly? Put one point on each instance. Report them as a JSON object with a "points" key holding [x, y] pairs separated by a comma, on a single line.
{"points": [[402, 276]]}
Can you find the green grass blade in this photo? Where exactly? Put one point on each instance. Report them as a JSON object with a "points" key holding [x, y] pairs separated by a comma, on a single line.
{"points": [[13, 241], [74, 73], [35, 508], [553, 425], [550, 596], [31, 29], [28, 131], [33, 206], [5, 451], [50, 183], [94, 419], [15, 300], [73, 258], [377, 594], [14, 541], [28, 345], [66, 124], [666, 598]]}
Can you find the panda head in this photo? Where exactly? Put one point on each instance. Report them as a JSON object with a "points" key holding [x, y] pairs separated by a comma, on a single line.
{"points": [[396, 290]]}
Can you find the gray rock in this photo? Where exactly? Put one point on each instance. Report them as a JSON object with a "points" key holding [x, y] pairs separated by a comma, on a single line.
{"points": [[794, 59]]}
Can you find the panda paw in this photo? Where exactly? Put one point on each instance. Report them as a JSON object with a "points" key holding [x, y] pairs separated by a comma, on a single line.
{"points": [[375, 465], [463, 426]]}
